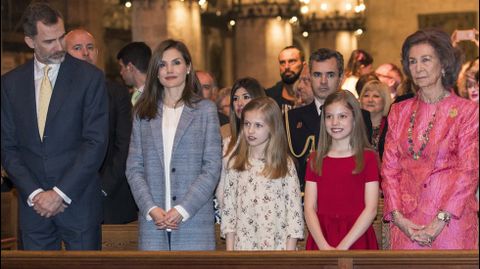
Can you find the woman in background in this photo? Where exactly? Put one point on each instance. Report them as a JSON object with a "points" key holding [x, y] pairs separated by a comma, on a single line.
{"points": [[375, 98], [360, 63], [243, 91], [223, 106]]}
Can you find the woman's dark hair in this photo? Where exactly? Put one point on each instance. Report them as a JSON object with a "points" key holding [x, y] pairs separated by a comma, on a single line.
{"points": [[450, 57], [255, 89], [358, 58], [362, 80], [147, 105]]}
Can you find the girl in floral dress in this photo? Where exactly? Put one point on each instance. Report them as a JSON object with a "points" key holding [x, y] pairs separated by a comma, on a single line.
{"points": [[262, 200], [341, 191]]}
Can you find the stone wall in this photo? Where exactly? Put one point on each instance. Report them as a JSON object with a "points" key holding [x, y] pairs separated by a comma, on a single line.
{"points": [[390, 22]]}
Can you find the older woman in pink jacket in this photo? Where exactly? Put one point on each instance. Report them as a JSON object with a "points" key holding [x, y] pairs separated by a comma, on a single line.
{"points": [[430, 164]]}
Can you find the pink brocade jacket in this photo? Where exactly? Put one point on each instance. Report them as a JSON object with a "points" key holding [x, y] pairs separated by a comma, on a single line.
{"points": [[445, 177]]}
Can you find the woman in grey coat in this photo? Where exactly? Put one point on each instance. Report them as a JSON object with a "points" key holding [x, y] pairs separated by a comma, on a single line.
{"points": [[174, 159]]}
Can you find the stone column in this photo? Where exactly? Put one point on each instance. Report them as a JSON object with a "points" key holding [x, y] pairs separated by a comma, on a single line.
{"points": [[335, 32], [156, 20], [342, 41], [260, 35], [322, 40], [88, 14]]}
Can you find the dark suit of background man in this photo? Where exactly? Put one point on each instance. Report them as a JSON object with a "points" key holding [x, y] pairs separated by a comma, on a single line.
{"points": [[303, 123], [54, 138], [119, 206]]}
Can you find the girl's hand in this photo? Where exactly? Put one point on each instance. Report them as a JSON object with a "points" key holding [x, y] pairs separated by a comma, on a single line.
{"points": [[291, 244], [230, 241], [327, 247], [341, 247]]}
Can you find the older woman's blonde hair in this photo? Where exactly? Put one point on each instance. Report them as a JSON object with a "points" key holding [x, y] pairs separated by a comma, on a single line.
{"points": [[382, 89]]}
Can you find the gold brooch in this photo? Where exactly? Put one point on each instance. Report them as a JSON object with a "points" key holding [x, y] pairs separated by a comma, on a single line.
{"points": [[453, 112]]}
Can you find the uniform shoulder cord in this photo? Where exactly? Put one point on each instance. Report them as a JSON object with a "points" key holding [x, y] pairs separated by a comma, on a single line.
{"points": [[310, 140]]}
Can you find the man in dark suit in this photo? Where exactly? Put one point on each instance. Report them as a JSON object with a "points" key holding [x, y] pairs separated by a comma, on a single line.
{"points": [[54, 136], [133, 60], [119, 206], [303, 123]]}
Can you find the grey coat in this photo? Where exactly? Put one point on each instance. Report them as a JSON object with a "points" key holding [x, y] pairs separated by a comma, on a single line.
{"points": [[195, 170]]}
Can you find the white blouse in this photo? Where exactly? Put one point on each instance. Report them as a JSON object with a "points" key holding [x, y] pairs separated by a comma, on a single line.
{"points": [[170, 119]]}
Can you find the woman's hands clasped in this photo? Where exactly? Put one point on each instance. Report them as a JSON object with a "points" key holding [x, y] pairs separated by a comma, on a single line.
{"points": [[166, 220], [427, 235], [421, 234]]}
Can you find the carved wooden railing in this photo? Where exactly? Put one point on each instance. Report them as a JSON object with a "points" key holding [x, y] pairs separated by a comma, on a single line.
{"points": [[251, 260]]}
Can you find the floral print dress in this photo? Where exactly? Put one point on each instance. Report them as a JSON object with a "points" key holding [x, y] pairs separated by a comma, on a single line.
{"points": [[263, 213]]}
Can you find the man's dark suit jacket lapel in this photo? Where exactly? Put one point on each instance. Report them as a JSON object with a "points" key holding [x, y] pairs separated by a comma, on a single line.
{"points": [[311, 119], [60, 92], [61, 89], [28, 90]]}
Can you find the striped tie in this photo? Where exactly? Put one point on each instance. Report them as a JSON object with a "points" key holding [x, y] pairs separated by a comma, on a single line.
{"points": [[135, 96], [44, 101]]}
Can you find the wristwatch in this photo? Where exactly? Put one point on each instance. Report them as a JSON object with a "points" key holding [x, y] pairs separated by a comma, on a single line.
{"points": [[443, 216]]}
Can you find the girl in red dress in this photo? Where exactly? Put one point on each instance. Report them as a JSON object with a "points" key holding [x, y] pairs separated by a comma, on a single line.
{"points": [[341, 192]]}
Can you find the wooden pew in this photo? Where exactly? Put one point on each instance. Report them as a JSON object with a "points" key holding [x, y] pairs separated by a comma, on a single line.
{"points": [[9, 216], [229, 260], [120, 237], [124, 237], [377, 223]]}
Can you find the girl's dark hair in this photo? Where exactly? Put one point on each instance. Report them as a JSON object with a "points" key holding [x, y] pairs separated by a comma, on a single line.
{"points": [[358, 58], [362, 80]]}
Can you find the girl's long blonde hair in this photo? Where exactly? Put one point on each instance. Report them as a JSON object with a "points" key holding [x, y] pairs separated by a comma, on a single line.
{"points": [[276, 152], [358, 137]]}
